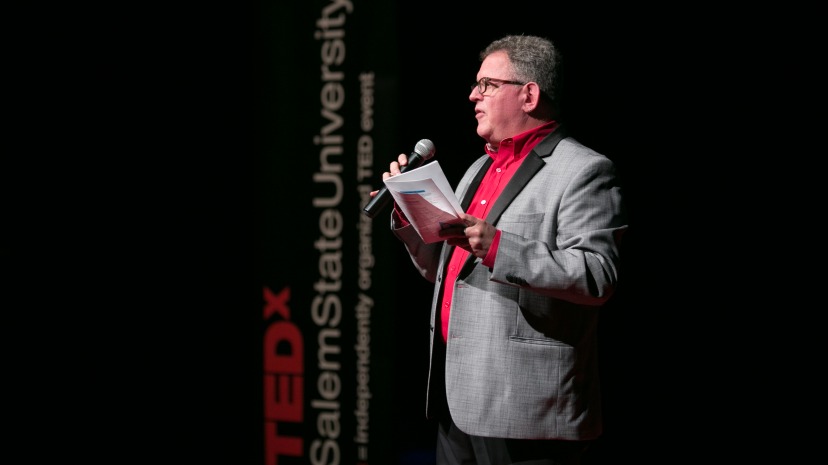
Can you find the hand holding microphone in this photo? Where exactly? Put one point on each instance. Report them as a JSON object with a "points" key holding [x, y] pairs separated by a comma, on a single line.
{"points": [[423, 152]]}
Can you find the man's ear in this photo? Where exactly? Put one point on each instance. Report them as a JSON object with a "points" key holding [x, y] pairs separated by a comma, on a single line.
{"points": [[533, 96]]}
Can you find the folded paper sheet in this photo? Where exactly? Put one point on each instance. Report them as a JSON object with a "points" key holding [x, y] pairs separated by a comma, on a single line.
{"points": [[427, 199]]}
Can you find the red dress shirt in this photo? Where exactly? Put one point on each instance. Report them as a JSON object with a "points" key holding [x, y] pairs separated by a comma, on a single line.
{"points": [[507, 159]]}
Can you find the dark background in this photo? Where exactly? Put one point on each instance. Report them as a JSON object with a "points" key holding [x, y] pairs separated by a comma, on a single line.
{"points": [[131, 219]]}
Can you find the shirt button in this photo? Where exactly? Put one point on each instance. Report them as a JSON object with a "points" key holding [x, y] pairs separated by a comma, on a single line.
{"points": [[498, 170], [482, 202]]}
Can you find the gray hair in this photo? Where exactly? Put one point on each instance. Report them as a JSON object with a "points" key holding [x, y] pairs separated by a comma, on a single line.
{"points": [[533, 59]]}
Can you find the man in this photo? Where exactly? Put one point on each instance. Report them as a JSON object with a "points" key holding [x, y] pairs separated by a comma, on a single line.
{"points": [[514, 369]]}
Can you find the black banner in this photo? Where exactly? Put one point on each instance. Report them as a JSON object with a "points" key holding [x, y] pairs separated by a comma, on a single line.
{"points": [[329, 125]]}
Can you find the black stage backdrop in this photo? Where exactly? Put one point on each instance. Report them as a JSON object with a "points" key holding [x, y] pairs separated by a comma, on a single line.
{"points": [[205, 288], [345, 318], [329, 99], [345, 87]]}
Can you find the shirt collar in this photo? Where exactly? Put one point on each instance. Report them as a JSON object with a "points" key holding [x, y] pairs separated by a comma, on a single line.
{"points": [[521, 144]]}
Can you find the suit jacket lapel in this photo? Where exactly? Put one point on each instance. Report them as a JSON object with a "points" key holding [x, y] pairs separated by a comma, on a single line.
{"points": [[527, 169], [472, 189], [531, 165]]}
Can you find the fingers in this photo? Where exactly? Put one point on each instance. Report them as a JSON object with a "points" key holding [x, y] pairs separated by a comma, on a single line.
{"points": [[470, 220], [453, 231], [396, 166]]}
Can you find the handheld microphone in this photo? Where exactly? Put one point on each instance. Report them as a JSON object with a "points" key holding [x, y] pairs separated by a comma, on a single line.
{"points": [[423, 151]]}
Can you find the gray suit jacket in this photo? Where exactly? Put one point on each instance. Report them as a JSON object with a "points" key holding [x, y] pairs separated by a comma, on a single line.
{"points": [[521, 359]]}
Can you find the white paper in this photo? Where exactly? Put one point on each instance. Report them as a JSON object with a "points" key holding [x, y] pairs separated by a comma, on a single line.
{"points": [[427, 199]]}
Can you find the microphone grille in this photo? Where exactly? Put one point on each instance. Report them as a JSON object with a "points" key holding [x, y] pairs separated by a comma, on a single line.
{"points": [[425, 148]]}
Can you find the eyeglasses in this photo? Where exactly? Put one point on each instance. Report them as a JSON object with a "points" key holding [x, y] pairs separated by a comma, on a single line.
{"points": [[484, 83]]}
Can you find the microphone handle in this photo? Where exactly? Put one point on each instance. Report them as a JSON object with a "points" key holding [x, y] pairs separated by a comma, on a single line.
{"points": [[378, 203], [383, 197]]}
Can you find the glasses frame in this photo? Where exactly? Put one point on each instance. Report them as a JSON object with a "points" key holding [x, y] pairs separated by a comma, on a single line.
{"points": [[483, 84]]}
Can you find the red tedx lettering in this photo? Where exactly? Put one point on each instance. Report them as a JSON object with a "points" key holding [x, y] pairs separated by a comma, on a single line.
{"points": [[276, 445], [283, 379], [283, 394], [277, 303]]}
